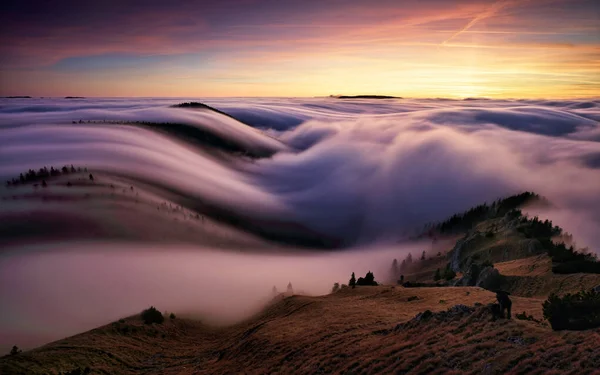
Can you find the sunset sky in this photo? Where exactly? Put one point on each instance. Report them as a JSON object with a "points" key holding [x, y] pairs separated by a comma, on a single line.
{"points": [[420, 48]]}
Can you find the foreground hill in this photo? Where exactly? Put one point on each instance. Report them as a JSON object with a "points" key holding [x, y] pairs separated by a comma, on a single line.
{"points": [[362, 330]]}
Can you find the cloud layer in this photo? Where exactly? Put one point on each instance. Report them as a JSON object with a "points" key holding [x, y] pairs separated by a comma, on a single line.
{"points": [[368, 173]]}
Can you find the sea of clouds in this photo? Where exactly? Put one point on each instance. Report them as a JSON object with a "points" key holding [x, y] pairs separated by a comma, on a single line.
{"points": [[367, 172], [356, 170]]}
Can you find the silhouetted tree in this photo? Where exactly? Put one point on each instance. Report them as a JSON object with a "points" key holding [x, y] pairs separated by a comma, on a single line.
{"points": [[290, 290], [91, 177], [438, 275], [409, 259], [152, 315], [15, 350], [423, 256], [352, 282], [394, 270], [449, 273], [369, 279]]}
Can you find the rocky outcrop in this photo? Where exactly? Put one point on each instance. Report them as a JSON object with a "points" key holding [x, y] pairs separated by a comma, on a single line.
{"points": [[489, 278], [486, 277]]}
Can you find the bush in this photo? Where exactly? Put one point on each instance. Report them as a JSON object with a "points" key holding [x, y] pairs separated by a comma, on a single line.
{"points": [[577, 266], [449, 273], [336, 287], [152, 315], [15, 350], [172, 316], [524, 316], [573, 311]]}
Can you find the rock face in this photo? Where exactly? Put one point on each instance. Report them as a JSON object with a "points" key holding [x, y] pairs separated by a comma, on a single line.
{"points": [[489, 278], [455, 259], [535, 247], [486, 277]]}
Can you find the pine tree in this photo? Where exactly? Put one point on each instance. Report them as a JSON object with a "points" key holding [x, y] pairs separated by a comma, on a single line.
{"points": [[352, 282], [423, 256], [290, 290], [394, 270]]}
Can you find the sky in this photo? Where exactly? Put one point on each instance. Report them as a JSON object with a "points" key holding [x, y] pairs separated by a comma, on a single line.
{"points": [[298, 48]]}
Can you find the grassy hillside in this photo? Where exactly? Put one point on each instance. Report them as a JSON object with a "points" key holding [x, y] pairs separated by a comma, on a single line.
{"points": [[524, 255], [362, 330]]}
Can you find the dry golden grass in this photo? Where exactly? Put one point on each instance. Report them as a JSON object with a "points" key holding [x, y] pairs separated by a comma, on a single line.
{"points": [[351, 331]]}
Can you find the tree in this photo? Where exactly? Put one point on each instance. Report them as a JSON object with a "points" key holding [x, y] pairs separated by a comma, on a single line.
{"points": [[91, 177], [369, 280], [15, 350], [152, 315], [401, 279], [290, 290], [438, 275], [409, 259], [449, 273], [423, 255], [403, 265], [352, 282], [394, 270], [336, 287]]}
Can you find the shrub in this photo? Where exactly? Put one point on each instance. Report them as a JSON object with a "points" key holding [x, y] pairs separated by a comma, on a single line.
{"points": [[15, 350], [152, 315], [172, 316], [336, 287], [524, 316], [449, 273], [577, 311]]}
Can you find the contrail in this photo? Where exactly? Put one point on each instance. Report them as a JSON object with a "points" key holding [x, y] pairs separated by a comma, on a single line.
{"points": [[488, 13]]}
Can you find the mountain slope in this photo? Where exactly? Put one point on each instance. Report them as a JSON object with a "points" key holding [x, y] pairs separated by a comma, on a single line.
{"points": [[367, 329]]}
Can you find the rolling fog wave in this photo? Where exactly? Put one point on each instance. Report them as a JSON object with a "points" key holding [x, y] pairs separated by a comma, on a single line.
{"points": [[355, 170]]}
